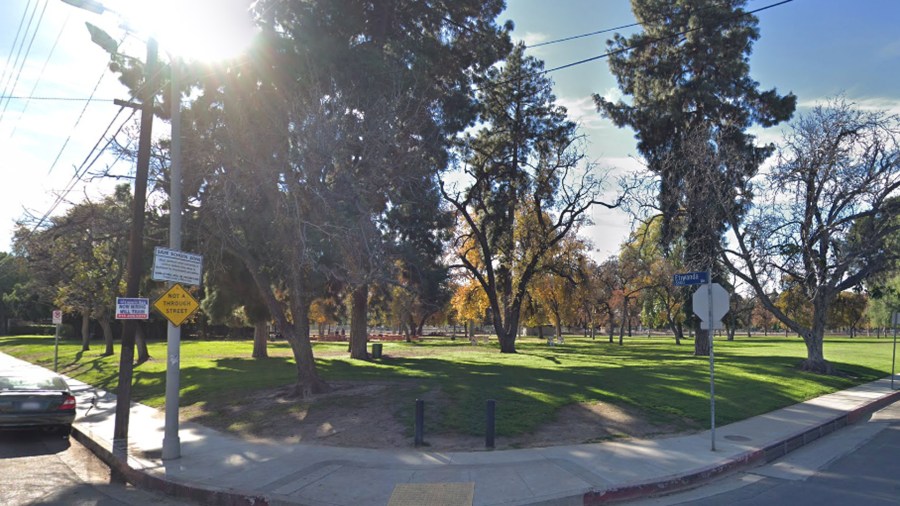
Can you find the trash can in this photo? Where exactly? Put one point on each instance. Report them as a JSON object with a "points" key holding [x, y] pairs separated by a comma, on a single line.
{"points": [[376, 350]]}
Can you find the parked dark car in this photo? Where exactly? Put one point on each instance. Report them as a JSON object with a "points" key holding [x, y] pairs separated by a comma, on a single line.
{"points": [[35, 400]]}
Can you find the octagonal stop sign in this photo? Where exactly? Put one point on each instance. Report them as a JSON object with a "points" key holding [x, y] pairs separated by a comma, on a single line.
{"points": [[719, 302]]}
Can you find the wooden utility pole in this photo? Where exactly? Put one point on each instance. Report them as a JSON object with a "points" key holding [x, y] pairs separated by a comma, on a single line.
{"points": [[135, 253]]}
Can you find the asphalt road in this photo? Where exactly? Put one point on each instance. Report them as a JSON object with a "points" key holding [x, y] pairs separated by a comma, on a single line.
{"points": [[858, 465], [38, 468]]}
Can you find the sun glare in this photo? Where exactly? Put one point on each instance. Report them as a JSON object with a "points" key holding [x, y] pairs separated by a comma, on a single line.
{"points": [[197, 30]]}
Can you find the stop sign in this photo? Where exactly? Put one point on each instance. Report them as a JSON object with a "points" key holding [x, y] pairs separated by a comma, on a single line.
{"points": [[719, 303]]}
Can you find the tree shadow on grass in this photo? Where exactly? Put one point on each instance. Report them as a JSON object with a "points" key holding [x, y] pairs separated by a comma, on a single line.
{"points": [[656, 379]]}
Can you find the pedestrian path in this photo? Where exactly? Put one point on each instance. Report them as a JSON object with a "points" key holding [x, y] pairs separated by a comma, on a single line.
{"points": [[216, 468]]}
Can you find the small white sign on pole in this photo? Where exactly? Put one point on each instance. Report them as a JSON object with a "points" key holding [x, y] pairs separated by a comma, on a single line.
{"points": [[713, 304], [132, 308], [57, 316], [177, 266]]}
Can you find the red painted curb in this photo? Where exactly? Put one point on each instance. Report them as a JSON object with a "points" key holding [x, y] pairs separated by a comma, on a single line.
{"points": [[745, 460], [674, 483]]}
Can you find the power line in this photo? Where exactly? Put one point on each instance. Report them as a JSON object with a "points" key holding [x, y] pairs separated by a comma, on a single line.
{"points": [[581, 36], [78, 121], [41, 75], [629, 48], [12, 49], [62, 99], [10, 89], [599, 32], [81, 171]]}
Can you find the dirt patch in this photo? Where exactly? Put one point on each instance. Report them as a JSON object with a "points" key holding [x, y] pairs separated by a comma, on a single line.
{"points": [[375, 415]]}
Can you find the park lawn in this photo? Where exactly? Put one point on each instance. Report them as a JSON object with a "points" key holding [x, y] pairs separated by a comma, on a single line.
{"points": [[753, 375]]}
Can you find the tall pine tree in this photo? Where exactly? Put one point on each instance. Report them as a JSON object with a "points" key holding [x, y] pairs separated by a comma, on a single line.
{"points": [[527, 188], [690, 103]]}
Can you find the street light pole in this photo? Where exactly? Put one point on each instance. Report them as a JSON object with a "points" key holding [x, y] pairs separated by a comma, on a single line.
{"points": [[171, 441], [135, 253]]}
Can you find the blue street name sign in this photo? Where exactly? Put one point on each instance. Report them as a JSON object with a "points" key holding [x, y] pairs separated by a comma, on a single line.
{"points": [[691, 278]]}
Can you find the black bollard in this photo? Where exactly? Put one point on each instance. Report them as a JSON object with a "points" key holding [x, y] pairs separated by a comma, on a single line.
{"points": [[489, 433], [420, 422]]}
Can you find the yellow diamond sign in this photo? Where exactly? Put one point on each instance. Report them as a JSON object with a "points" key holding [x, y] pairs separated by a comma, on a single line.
{"points": [[177, 305]]}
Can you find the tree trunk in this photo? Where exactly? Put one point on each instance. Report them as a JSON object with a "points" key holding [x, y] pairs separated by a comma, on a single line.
{"points": [[559, 338], [260, 338], [507, 341], [297, 335], [815, 355], [308, 380], [815, 338], [624, 317], [701, 342], [676, 329], [420, 327], [140, 342], [359, 330], [85, 332], [107, 337], [410, 328]]}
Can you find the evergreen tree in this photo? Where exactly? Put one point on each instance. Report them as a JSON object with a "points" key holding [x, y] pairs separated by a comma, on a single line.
{"points": [[691, 101], [527, 188], [316, 156]]}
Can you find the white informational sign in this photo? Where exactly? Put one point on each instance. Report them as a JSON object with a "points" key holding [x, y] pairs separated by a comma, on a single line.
{"points": [[896, 319], [719, 302], [177, 266], [132, 308], [57, 316]]}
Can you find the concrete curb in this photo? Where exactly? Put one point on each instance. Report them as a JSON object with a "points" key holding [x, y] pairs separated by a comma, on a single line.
{"points": [[204, 494], [750, 459], [178, 489]]}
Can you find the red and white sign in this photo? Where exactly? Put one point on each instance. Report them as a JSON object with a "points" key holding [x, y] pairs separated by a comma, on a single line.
{"points": [[57, 316]]}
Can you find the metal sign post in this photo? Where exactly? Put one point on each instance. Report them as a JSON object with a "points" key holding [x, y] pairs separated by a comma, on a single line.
{"points": [[57, 320], [710, 305], [712, 366], [895, 319]]}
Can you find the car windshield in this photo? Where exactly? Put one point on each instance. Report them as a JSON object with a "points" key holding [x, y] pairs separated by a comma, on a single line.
{"points": [[31, 382]]}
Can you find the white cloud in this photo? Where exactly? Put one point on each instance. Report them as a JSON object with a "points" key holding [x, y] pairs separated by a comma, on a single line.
{"points": [[773, 135], [890, 51], [531, 38], [885, 104], [583, 111], [613, 94]]}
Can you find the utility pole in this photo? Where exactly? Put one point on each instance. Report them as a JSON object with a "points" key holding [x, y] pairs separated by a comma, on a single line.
{"points": [[171, 448], [135, 254]]}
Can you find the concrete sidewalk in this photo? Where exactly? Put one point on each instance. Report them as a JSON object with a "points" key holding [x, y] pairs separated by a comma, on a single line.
{"points": [[221, 469]]}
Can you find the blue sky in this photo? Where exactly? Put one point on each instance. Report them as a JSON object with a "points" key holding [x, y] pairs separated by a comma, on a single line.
{"points": [[813, 48]]}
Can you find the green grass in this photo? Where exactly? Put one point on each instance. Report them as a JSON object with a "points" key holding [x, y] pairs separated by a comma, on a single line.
{"points": [[753, 376]]}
